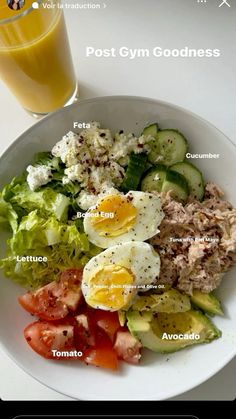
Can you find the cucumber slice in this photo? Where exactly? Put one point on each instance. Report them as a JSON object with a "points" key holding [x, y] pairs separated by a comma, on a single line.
{"points": [[193, 177], [134, 172], [151, 130], [154, 178], [177, 184], [169, 147]]}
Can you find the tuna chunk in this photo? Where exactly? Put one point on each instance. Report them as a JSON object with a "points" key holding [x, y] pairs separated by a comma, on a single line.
{"points": [[197, 242]]}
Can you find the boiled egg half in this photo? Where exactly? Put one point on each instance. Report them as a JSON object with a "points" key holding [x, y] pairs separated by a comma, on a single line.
{"points": [[120, 218], [112, 279]]}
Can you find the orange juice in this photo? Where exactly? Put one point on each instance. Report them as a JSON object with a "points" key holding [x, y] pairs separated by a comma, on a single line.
{"points": [[35, 59]]}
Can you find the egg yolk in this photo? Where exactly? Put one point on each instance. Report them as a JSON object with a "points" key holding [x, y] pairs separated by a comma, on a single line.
{"points": [[111, 287], [115, 215]]}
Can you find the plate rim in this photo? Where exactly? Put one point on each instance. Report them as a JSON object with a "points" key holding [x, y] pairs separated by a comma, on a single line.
{"points": [[107, 98]]}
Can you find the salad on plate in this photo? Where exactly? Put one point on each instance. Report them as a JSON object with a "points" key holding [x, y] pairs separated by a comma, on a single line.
{"points": [[119, 244]]}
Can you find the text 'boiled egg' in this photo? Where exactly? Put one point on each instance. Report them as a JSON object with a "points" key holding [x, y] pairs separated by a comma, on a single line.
{"points": [[119, 218], [112, 279]]}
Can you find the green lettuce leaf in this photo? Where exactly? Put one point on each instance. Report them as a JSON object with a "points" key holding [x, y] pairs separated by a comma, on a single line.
{"points": [[70, 189], [9, 189], [46, 201], [7, 215], [45, 158], [62, 244]]}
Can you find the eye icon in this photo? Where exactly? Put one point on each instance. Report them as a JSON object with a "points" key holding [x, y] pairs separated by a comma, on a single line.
{"points": [[15, 4]]}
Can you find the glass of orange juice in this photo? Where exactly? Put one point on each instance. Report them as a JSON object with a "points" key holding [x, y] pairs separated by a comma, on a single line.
{"points": [[35, 58]]}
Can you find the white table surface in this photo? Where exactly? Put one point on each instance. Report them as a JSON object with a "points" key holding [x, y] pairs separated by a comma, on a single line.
{"points": [[204, 86]]}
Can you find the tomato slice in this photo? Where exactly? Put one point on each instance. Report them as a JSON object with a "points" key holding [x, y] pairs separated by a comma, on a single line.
{"points": [[127, 347], [92, 332], [84, 333], [102, 357], [94, 341], [103, 354], [44, 337], [107, 321], [55, 300]]}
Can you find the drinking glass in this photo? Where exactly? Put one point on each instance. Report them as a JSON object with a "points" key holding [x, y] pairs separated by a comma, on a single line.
{"points": [[35, 57]]}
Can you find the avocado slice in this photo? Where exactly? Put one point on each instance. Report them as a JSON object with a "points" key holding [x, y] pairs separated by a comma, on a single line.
{"points": [[207, 302], [171, 301], [159, 290], [154, 331]]}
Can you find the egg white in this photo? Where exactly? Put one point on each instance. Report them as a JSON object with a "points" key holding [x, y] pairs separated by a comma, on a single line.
{"points": [[149, 217], [140, 258]]}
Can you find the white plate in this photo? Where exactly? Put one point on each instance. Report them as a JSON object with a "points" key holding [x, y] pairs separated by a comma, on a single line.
{"points": [[159, 376]]}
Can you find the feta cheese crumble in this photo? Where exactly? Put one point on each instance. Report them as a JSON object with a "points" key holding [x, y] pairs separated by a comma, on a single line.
{"points": [[38, 176], [67, 149], [96, 159], [86, 200]]}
